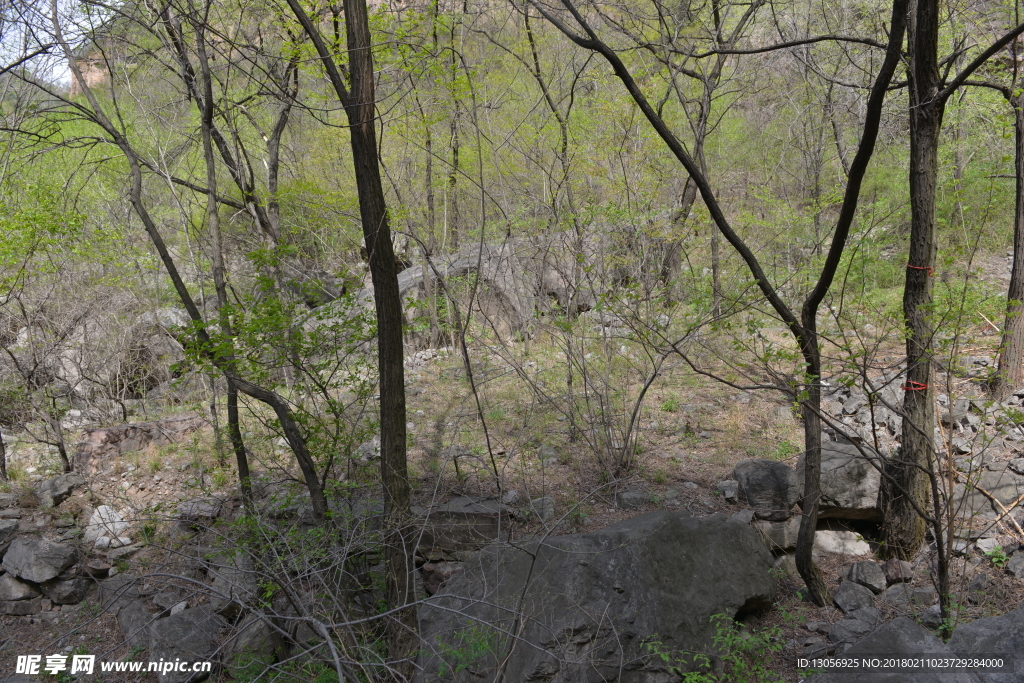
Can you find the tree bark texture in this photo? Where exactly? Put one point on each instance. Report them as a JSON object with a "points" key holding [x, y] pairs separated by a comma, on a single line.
{"points": [[904, 527], [1010, 373]]}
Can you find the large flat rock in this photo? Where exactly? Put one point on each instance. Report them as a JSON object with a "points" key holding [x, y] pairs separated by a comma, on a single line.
{"points": [[849, 481], [583, 604]]}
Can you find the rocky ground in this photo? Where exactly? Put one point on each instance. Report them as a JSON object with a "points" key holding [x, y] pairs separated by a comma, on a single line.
{"points": [[128, 557]]}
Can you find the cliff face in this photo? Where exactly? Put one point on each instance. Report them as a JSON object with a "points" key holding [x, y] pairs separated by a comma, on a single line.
{"points": [[94, 72]]}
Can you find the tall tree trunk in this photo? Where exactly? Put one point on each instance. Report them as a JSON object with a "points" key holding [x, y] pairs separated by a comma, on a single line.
{"points": [[217, 248], [3, 458], [359, 99], [904, 527], [1010, 373], [810, 410], [402, 636]]}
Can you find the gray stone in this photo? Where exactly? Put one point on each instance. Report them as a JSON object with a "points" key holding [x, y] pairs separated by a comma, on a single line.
{"points": [[730, 489], [849, 482], [770, 487], [104, 522], [118, 591], [594, 598], [924, 595], [234, 584], [436, 575], [102, 543], [251, 647], [840, 543], [986, 545], [869, 615], [166, 600], [134, 620], [780, 536], [1017, 465], [190, 635], [1015, 567], [543, 507], [463, 524], [21, 608], [124, 552], [901, 637], [15, 589], [510, 497], [53, 492], [898, 571], [897, 594], [744, 516], [932, 617], [1000, 636], [8, 500], [38, 560], [198, 511], [849, 630], [867, 574], [8, 529], [13, 513], [66, 590], [852, 596], [630, 499], [1005, 486]]}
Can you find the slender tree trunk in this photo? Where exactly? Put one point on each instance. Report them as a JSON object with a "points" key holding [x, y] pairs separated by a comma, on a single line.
{"points": [[810, 408], [672, 266], [361, 111], [1010, 374], [359, 100], [217, 248], [3, 458], [904, 527]]}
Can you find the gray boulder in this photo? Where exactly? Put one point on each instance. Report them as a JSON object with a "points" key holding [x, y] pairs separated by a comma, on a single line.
{"points": [[234, 584], [38, 560], [463, 523], [65, 590], [1015, 567], [900, 637], [134, 620], [21, 608], [119, 591], [15, 589], [852, 596], [8, 528], [1001, 636], [198, 512], [190, 635], [251, 648], [867, 574], [780, 536], [592, 599], [53, 492], [104, 522], [770, 487], [1005, 485], [849, 482], [898, 571]]}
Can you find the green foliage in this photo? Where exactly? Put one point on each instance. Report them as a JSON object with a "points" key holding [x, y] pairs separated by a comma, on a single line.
{"points": [[997, 557], [473, 644], [742, 655]]}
